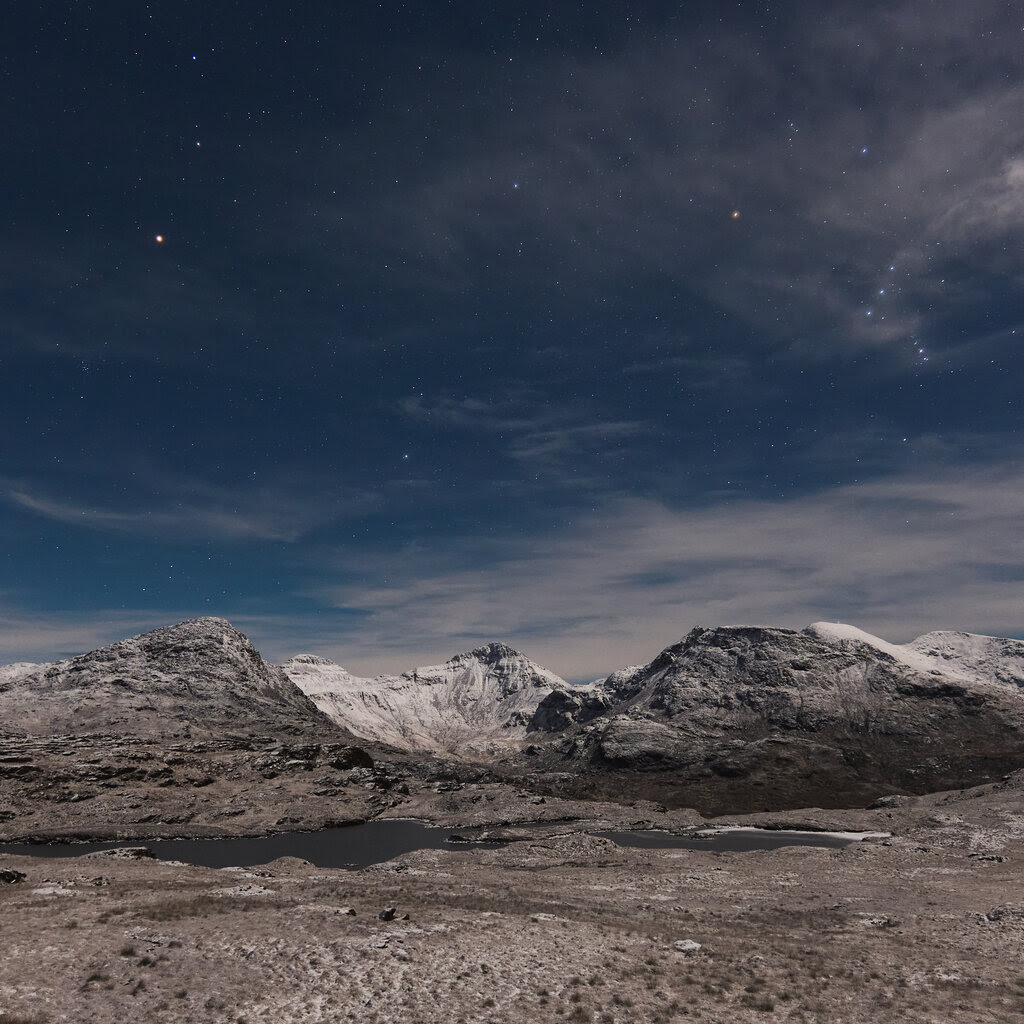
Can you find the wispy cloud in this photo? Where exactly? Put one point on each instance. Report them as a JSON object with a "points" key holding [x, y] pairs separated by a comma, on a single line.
{"points": [[44, 637], [200, 510], [898, 556], [536, 432]]}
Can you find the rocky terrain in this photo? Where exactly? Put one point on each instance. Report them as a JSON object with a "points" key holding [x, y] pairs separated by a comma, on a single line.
{"points": [[183, 730], [474, 702], [187, 731], [201, 678]]}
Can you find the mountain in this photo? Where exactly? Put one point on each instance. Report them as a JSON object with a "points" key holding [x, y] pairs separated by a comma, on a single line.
{"points": [[201, 677], [775, 717], [471, 703]]}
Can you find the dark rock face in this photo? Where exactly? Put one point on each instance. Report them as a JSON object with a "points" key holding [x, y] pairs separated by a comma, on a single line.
{"points": [[561, 709], [751, 717], [199, 678]]}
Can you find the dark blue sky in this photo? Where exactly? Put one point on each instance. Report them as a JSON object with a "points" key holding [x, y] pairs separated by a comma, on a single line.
{"points": [[387, 331]]}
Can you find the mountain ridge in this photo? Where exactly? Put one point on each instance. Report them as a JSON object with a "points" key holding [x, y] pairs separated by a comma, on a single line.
{"points": [[736, 716]]}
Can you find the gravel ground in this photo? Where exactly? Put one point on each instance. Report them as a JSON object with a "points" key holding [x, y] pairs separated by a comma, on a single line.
{"points": [[927, 926]]}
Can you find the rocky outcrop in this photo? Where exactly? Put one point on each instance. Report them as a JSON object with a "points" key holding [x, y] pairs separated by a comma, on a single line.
{"points": [[470, 704], [199, 678]]}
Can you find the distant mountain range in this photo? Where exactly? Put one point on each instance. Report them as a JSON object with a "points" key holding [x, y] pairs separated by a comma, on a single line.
{"points": [[738, 717]]}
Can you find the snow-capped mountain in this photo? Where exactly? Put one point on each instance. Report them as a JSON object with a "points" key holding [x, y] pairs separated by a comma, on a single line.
{"points": [[827, 706], [201, 677], [472, 702], [741, 716]]}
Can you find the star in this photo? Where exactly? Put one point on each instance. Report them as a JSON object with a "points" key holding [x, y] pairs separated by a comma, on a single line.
{"points": [[159, 238]]}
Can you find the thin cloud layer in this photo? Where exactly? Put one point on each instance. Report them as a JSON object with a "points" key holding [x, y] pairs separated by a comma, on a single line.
{"points": [[900, 557]]}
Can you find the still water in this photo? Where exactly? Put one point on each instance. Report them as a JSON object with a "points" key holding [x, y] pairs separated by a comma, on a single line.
{"points": [[735, 841], [358, 846]]}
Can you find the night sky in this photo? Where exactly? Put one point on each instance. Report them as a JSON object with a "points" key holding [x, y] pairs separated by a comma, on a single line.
{"points": [[384, 330]]}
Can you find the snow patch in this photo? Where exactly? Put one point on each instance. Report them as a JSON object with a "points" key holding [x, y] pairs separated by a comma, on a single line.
{"points": [[970, 657]]}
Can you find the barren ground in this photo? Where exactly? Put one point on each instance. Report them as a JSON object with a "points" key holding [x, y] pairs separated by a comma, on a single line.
{"points": [[927, 926]]}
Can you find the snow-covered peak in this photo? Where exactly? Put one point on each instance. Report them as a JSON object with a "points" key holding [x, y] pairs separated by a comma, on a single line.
{"points": [[316, 675], [966, 656], [503, 666], [475, 699], [840, 632], [311, 659], [981, 658]]}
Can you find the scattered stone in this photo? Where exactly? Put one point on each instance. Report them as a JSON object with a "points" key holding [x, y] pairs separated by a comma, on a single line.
{"points": [[9, 876], [387, 914], [126, 853], [889, 802], [686, 946]]}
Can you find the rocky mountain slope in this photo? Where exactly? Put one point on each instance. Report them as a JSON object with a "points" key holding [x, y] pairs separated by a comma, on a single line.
{"points": [[476, 700], [200, 678], [774, 717]]}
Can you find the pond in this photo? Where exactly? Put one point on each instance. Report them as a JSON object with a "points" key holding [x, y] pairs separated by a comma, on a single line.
{"points": [[359, 846], [730, 840]]}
